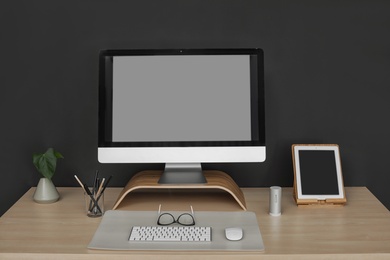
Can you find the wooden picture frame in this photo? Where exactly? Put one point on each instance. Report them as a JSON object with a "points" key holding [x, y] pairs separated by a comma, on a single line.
{"points": [[318, 176]]}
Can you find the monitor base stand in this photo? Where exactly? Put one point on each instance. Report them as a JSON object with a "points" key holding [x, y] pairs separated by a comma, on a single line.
{"points": [[182, 173], [148, 180]]}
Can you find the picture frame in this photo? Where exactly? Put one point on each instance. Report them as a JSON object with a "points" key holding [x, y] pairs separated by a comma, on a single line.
{"points": [[318, 175]]}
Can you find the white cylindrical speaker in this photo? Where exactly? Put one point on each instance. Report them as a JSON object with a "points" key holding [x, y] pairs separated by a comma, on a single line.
{"points": [[275, 201]]}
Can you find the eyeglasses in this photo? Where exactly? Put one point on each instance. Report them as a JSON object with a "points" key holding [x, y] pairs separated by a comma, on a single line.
{"points": [[166, 219]]}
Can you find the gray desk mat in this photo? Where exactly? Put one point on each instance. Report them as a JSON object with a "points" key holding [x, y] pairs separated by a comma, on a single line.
{"points": [[114, 230]]}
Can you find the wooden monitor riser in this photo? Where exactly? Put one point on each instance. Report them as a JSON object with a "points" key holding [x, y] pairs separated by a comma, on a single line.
{"points": [[215, 180]]}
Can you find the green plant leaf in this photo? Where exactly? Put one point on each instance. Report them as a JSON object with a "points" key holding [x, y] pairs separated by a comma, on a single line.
{"points": [[58, 155], [46, 163]]}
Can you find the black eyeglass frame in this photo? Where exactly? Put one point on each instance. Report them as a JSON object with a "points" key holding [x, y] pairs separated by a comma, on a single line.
{"points": [[175, 220]]}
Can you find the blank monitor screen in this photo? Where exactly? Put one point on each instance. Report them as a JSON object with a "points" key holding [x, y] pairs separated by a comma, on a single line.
{"points": [[182, 98]]}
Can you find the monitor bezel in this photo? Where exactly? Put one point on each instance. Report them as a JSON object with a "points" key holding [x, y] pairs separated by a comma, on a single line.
{"points": [[105, 105]]}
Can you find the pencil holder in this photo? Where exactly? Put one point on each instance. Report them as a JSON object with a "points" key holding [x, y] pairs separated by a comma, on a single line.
{"points": [[94, 205]]}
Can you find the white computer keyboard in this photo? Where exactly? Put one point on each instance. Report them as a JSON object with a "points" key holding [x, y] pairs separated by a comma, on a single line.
{"points": [[171, 233]]}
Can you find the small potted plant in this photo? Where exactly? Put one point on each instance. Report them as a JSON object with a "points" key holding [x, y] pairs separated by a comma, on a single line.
{"points": [[46, 164]]}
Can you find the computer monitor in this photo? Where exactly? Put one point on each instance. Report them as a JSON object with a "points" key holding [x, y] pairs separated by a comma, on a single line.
{"points": [[181, 107]]}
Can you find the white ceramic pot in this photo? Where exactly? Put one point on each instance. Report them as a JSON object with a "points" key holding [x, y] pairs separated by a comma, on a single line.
{"points": [[46, 192]]}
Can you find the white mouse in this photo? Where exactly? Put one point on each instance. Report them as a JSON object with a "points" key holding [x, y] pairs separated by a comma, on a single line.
{"points": [[234, 233]]}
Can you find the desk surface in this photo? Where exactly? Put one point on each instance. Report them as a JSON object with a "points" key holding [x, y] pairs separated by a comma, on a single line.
{"points": [[359, 230]]}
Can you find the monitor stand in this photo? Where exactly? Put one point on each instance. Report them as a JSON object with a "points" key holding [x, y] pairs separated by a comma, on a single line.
{"points": [[148, 180], [182, 173]]}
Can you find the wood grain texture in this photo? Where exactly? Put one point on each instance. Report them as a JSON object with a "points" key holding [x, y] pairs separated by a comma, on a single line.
{"points": [[359, 230], [215, 180]]}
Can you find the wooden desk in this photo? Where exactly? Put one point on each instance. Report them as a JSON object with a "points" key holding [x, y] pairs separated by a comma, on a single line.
{"points": [[359, 230]]}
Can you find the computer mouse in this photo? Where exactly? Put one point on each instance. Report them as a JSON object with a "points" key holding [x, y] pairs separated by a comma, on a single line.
{"points": [[234, 233]]}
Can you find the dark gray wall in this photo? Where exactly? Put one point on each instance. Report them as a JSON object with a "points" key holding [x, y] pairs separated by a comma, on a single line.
{"points": [[327, 69]]}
